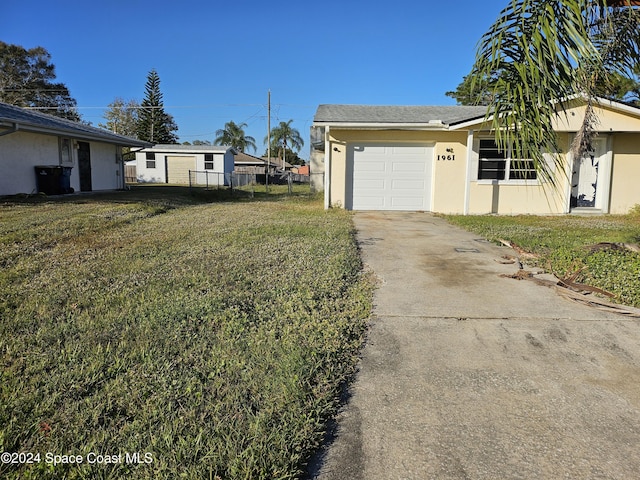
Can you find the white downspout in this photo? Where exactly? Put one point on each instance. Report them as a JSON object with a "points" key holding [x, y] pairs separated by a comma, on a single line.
{"points": [[327, 169], [467, 186]]}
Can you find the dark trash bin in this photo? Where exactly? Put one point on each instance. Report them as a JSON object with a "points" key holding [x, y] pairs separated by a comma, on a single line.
{"points": [[65, 180], [53, 179]]}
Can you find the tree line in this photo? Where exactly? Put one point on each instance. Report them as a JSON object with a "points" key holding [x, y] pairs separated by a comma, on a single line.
{"points": [[27, 79]]}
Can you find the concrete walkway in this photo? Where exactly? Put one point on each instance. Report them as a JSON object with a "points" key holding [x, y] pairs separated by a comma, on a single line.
{"points": [[468, 375]]}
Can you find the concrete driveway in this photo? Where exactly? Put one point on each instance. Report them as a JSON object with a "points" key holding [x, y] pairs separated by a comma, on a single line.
{"points": [[468, 375]]}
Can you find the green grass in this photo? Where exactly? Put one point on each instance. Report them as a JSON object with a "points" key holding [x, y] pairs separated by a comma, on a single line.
{"points": [[562, 243], [214, 333]]}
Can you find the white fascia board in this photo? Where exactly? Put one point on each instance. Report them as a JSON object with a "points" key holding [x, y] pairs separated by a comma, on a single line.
{"points": [[471, 123], [190, 151], [384, 126]]}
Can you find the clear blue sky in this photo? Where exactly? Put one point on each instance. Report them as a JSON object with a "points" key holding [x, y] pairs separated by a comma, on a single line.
{"points": [[217, 59]]}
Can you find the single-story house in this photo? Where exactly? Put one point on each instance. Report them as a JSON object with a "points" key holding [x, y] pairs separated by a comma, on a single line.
{"points": [[246, 163], [444, 159], [208, 164], [35, 146]]}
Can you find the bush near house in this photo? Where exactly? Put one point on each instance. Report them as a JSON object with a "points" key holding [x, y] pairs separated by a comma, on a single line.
{"points": [[566, 245], [173, 337]]}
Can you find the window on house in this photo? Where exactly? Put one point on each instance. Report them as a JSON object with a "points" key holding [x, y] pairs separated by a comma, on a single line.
{"points": [[151, 160], [208, 161], [65, 151], [496, 164]]}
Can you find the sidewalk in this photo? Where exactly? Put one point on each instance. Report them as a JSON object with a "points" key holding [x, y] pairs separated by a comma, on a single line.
{"points": [[470, 375]]}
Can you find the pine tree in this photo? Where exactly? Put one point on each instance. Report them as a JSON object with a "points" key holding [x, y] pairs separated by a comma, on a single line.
{"points": [[154, 124]]}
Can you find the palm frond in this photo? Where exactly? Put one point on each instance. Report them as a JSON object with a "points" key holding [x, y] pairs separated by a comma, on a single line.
{"points": [[541, 53]]}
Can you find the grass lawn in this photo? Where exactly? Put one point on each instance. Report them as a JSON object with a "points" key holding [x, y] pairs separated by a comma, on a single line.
{"points": [[563, 245], [210, 335]]}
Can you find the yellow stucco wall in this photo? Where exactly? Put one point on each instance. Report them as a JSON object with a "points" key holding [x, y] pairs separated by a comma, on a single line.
{"points": [[609, 120], [450, 170], [625, 181], [505, 199]]}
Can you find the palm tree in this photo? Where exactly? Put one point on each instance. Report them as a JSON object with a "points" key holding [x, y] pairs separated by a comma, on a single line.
{"points": [[541, 53], [233, 135], [285, 136]]}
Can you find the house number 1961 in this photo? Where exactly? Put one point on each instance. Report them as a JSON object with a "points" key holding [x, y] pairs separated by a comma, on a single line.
{"points": [[446, 157]]}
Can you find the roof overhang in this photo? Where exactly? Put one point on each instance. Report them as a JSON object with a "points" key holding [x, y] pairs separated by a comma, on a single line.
{"points": [[186, 149], [10, 126]]}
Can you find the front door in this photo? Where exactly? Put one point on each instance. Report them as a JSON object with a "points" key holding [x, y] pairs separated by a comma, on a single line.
{"points": [[584, 180], [84, 166]]}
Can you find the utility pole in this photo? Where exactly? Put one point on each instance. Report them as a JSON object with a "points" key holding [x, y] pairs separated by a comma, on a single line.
{"points": [[266, 177]]}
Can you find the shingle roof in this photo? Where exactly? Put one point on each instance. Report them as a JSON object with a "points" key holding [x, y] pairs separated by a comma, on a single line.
{"points": [[380, 114], [30, 121]]}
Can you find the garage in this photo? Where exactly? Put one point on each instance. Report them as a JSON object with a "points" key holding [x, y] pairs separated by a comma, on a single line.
{"points": [[389, 176], [178, 169]]}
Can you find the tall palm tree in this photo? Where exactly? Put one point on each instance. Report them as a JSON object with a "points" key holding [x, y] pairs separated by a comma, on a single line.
{"points": [[541, 53], [285, 136], [233, 135]]}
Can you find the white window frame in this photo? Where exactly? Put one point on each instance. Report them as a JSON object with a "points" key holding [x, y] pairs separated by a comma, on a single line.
{"points": [[150, 162], [65, 151], [507, 169]]}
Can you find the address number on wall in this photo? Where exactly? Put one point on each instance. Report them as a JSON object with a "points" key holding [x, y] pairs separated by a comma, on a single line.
{"points": [[446, 158]]}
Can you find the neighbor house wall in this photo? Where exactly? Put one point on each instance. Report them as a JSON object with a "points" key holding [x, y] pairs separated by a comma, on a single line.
{"points": [[20, 152], [105, 170]]}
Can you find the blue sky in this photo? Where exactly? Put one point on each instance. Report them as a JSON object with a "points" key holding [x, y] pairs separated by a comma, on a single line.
{"points": [[218, 59]]}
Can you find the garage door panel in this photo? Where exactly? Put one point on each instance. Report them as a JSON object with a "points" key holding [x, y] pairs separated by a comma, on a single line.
{"points": [[390, 177], [410, 203], [371, 166], [376, 184], [408, 150], [413, 167], [372, 202], [408, 185]]}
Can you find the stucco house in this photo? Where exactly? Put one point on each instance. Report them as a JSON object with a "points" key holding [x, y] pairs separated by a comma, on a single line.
{"points": [[444, 159], [209, 164], [90, 157]]}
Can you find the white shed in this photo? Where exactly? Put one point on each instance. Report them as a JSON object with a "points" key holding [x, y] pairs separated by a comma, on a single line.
{"points": [[185, 164]]}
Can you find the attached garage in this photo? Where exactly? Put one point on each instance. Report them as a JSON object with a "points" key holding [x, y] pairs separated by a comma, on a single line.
{"points": [[178, 169], [389, 176]]}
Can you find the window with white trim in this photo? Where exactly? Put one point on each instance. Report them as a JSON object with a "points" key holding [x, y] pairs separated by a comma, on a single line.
{"points": [[208, 161], [496, 164], [151, 159]]}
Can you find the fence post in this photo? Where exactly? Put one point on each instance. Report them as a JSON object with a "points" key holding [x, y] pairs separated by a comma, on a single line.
{"points": [[189, 181]]}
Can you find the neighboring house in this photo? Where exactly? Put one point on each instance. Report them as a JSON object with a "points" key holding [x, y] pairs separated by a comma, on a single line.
{"points": [[245, 163], [90, 157], [208, 164], [444, 159], [301, 170]]}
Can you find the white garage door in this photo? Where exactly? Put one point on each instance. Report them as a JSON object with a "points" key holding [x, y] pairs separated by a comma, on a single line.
{"points": [[390, 177]]}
